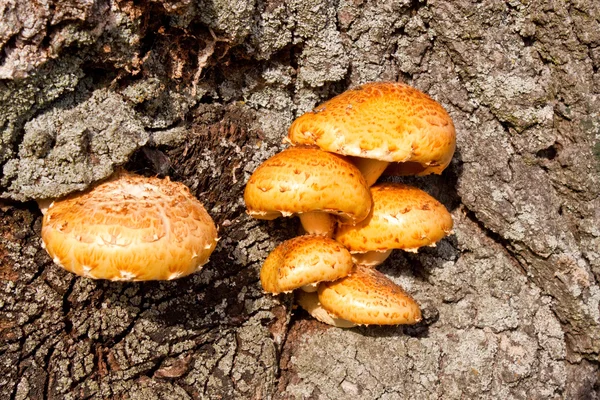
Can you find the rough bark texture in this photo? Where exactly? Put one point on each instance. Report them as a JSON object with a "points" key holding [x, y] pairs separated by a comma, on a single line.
{"points": [[204, 92]]}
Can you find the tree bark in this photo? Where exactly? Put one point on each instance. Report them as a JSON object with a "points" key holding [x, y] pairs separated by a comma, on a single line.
{"points": [[204, 92]]}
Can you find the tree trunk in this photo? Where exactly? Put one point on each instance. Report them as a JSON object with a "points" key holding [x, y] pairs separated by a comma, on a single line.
{"points": [[204, 92]]}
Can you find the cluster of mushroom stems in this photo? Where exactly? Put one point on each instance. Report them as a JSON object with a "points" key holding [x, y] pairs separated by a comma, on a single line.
{"points": [[327, 178]]}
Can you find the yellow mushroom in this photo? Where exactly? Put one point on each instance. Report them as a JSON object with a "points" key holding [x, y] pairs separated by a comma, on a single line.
{"points": [[302, 262], [379, 123], [403, 217], [312, 184], [367, 297], [129, 228]]}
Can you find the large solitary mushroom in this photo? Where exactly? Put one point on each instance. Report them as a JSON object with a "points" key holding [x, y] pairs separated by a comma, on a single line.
{"points": [[130, 228], [379, 123], [312, 184]]}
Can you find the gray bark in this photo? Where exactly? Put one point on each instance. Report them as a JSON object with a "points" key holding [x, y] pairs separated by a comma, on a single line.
{"points": [[204, 92]]}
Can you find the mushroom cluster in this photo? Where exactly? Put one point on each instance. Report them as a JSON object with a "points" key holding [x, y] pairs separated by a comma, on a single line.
{"points": [[129, 228], [327, 178]]}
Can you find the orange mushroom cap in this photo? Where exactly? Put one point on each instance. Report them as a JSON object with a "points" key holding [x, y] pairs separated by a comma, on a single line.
{"points": [[302, 180], [302, 261], [403, 217], [387, 121], [130, 228], [368, 297]]}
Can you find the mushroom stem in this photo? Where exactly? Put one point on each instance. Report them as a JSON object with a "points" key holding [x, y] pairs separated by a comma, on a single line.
{"points": [[311, 287], [371, 259], [318, 223], [412, 168], [44, 204], [370, 169]]}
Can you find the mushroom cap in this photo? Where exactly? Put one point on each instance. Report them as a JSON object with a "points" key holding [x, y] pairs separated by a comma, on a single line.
{"points": [[403, 217], [367, 297], [304, 260], [304, 179], [130, 228], [387, 121], [310, 302]]}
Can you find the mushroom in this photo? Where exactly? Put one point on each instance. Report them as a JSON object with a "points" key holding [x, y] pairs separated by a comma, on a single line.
{"points": [[310, 183], [378, 123], [403, 217], [310, 302], [130, 228], [367, 297], [302, 262]]}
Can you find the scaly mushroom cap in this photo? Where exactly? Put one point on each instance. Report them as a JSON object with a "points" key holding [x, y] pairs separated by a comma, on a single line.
{"points": [[403, 217], [130, 228], [367, 297], [302, 261], [310, 302], [386, 121], [301, 180]]}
